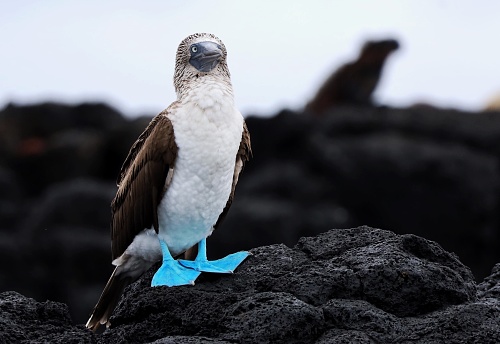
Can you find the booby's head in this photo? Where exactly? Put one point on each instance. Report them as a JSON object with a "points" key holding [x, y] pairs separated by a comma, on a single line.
{"points": [[199, 55]]}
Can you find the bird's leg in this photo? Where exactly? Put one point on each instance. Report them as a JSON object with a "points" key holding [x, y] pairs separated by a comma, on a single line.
{"points": [[171, 273], [224, 265]]}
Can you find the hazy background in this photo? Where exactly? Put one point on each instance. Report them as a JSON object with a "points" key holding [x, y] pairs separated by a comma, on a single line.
{"points": [[122, 52]]}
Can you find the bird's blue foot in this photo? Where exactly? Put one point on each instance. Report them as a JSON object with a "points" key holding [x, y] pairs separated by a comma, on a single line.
{"points": [[171, 273], [224, 265]]}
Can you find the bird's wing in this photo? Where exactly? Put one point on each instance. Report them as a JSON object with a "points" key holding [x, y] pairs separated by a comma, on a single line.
{"points": [[142, 182], [243, 155]]}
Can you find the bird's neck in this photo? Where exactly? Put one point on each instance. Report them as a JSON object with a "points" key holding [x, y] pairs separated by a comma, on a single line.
{"points": [[208, 92], [209, 85]]}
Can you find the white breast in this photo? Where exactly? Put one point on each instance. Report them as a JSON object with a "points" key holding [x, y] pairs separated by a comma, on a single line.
{"points": [[208, 131]]}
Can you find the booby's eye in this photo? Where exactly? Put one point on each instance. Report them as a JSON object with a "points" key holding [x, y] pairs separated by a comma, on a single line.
{"points": [[194, 49]]}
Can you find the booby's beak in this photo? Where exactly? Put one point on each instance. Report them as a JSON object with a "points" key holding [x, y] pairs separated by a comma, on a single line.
{"points": [[205, 56]]}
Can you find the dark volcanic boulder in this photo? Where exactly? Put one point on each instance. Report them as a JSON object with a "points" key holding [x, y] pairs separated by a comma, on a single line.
{"points": [[429, 172], [50, 142], [10, 200], [359, 285], [433, 173], [23, 320], [339, 287], [46, 119], [490, 287], [63, 239]]}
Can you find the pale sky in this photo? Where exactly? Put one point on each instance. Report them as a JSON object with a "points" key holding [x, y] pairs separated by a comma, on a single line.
{"points": [[122, 52]]}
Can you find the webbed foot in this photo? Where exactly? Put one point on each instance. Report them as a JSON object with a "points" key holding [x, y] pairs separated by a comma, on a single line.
{"points": [[224, 265], [171, 273]]}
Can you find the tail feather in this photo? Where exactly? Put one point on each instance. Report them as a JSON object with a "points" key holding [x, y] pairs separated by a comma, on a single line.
{"points": [[108, 300], [137, 259]]}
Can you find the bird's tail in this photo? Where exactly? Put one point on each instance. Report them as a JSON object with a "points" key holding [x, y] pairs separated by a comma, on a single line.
{"points": [[109, 299], [128, 269]]}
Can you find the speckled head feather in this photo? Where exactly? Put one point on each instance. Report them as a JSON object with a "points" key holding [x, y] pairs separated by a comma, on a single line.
{"points": [[186, 73]]}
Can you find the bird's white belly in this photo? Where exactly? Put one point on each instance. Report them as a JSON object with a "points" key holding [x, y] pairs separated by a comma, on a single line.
{"points": [[201, 182]]}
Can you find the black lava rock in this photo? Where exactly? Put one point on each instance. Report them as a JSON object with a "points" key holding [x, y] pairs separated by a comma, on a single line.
{"points": [[340, 286], [423, 171], [61, 241], [359, 285], [429, 172], [23, 320]]}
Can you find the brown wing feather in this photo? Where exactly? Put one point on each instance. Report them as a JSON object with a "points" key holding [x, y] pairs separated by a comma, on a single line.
{"points": [[243, 155], [141, 183]]}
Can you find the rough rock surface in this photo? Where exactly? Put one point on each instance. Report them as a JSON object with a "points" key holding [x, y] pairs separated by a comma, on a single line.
{"points": [[359, 285], [430, 172], [24, 320]]}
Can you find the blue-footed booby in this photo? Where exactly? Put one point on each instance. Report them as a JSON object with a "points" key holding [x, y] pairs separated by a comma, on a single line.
{"points": [[178, 180]]}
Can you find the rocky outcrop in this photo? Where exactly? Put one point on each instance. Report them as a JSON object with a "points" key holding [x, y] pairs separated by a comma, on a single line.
{"points": [[429, 172], [359, 285], [24, 320]]}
